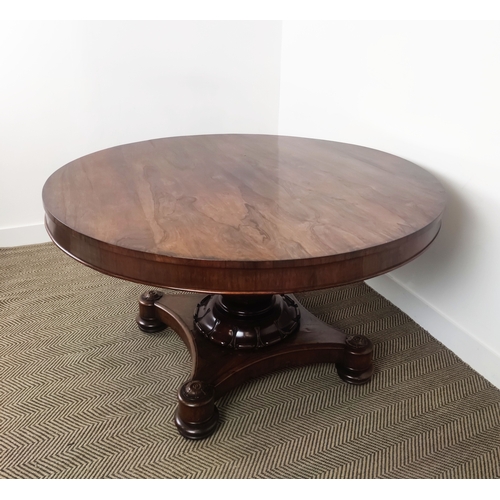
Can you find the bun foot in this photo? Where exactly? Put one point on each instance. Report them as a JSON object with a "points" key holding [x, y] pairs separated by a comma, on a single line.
{"points": [[357, 364], [196, 415], [146, 319]]}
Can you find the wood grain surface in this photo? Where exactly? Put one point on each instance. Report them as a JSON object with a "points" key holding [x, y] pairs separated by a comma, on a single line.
{"points": [[186, 212]]}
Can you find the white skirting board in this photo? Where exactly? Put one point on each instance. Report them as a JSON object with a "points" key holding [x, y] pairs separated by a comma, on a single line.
{"points": [[467, 347], [24, 235], [464, 344]]}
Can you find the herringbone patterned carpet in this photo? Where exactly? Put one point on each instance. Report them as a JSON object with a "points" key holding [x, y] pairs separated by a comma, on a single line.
{"points": [[85, 394]]}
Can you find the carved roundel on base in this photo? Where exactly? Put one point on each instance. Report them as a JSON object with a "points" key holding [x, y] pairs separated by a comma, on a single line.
{"points": [[357, 342], [196, 390]]}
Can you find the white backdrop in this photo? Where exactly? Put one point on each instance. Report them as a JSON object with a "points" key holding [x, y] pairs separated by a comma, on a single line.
{"points": [[71, 88]]}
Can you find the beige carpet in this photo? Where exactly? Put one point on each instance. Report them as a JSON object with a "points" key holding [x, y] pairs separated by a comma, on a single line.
{"points": [[85, 394]]}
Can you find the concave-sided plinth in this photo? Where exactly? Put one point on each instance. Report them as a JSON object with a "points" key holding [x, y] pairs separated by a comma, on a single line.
{"points": [[234, 339]]}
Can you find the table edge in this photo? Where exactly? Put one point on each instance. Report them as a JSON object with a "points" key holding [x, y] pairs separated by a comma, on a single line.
{"points": [[240, 277]]}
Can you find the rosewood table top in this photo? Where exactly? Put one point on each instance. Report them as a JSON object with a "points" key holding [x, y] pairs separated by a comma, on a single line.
{"points": [[243, 213]]}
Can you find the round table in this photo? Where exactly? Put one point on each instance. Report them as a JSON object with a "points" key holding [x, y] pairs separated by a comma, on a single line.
{"points": [[244, 221]]}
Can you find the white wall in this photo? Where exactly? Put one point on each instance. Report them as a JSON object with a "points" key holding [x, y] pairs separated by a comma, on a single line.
{"points": [[70, 88], [428, 92]]}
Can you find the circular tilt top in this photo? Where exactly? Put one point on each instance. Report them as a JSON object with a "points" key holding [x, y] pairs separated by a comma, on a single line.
{"points": [[242, 213]]}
